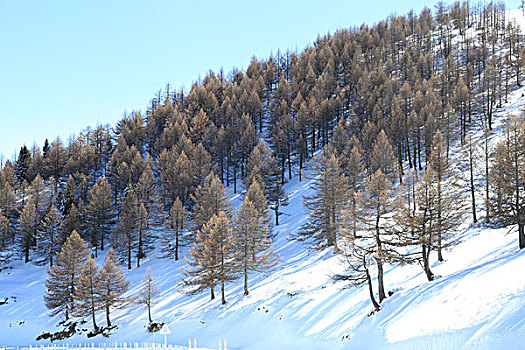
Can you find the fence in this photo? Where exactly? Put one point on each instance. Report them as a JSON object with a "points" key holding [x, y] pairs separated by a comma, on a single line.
{"points": [[116, 346]]}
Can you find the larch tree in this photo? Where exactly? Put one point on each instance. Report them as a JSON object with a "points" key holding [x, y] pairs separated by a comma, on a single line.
{"points": [[358, 256], [144, 238], [263, 167], [87, 291], [325, 206], [354, 170], [28, 226], [210, 259], [125, 238], [376, 202], [382, 157], [113, 285], [508, 172], [148, 292], [210, 199], [49, 236], [250, 230], [440, 165], [99, 213], [63, 277], [70, 223], [255, 194], [4, 231], [146, 190], [171, 238]]}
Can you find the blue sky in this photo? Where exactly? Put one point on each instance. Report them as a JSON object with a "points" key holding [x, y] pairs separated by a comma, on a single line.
{"points": [[65, 65]]}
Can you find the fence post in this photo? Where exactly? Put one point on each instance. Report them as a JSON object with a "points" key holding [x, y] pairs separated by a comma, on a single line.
{"points": [[225, 346], [220, 345]]}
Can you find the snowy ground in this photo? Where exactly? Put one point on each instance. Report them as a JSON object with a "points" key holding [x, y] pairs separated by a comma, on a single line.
{"points": [[476, 302]]}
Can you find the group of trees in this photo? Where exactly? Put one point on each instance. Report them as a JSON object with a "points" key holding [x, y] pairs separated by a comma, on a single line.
{"points": [[355, 210], [78, 287], [228, 246], [366, 103]]}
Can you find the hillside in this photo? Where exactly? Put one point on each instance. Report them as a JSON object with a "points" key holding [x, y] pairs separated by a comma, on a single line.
{"points": [[475, 302]]}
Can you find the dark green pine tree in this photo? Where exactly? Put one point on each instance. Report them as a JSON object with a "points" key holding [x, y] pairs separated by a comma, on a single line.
{"points": [[22, 165]]}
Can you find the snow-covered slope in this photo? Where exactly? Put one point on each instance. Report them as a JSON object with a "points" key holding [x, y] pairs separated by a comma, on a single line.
{"points": [[477, 300]]}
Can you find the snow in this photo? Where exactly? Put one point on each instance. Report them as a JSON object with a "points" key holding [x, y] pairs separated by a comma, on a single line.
{"points": [[476, 302]]}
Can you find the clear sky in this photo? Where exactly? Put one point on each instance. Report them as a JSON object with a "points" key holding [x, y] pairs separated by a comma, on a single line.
{"points": [[66, 64]]}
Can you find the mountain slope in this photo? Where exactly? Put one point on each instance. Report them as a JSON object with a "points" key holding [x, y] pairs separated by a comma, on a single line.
{"points": [[475, 302]]}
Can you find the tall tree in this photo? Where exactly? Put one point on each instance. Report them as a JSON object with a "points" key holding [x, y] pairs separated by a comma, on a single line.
{"points": [[376, 202], [125, 238], [210, 259], [88, 290], [210, 199], [63, 276], [28, 223], [251, 233], [100, 213], [148, 292], [325, 206], [171, 238], [113, 285], [48, 236]]}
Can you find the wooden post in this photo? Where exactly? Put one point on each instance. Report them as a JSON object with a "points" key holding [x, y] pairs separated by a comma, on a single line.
{"points": [[189, 343]]}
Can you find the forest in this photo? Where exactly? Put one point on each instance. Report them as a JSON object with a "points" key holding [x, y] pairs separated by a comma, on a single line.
{"points": [[369, 114]]}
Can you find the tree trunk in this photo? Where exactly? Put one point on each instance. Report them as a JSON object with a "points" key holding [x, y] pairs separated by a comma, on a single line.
{"points": [[371, 291], [177, 243], [440, 254], [521, 232], [426, 263], [382, 295], [108, 322], [149, 313], [222, 293], [129, 256], [379, 261], [93, 314], [246, 292], [472, 188], [212, 292]]}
